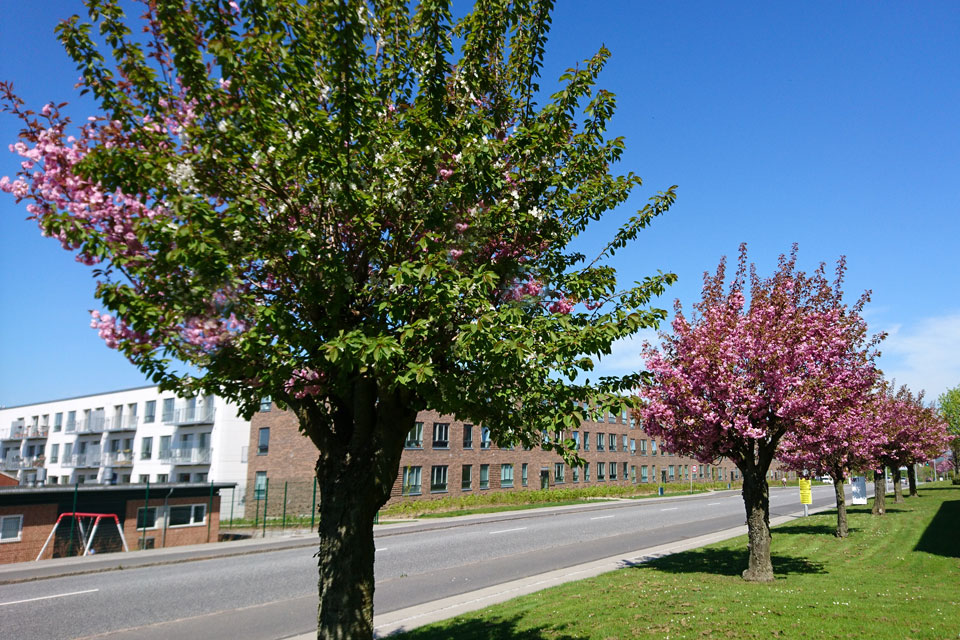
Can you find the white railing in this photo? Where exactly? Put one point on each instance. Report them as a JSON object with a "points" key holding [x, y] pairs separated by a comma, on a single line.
{"points": [[123, 423], [11, 462], [117, 459], [96, 424], [193, 415], [186, 456], [81, 460]]}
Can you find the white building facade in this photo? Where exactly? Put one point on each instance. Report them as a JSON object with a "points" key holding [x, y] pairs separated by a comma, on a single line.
{"points": [[125, 437]]}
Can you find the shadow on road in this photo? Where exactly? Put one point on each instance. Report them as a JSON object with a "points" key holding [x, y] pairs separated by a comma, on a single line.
{"points": [[940, 536], [505, 628], [726, 562]]}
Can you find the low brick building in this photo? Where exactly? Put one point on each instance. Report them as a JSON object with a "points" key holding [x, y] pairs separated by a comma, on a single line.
{"points": [[176, 514], [445, 456]]}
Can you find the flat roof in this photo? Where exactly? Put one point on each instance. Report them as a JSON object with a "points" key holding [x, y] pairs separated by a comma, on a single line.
{"points": [[112, 488], [85, 395]]}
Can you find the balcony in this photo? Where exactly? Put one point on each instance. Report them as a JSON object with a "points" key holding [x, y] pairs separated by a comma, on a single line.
{"points": [[118, 459], [16, 431], [193, 415], [36, 432], [186, 456], [123, 423], [81, 460], [96, 424], [11, 462]]}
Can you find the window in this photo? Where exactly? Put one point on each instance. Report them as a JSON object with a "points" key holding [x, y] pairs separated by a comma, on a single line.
{"points": [[624, 443], [144, 478], [71, 421], [576, 474], [441, 435], [188, 514], [586, 441], [11, 528], [259, 485], [672, 476], [612, 417], [643, 474], [586, 472], [411, 481], [613, 442], [67, 451], [613, 470], [164, 447], [633, 474], [576, 440], [625, 471], [484, 476], [506, 475], [468, 436], [147, 518], [601, 471], [466, 477], [438, 478], [201, 477], [484, 438], [653, 447], [183, 477], [150, 411], [643, 447], [266, 404], [523, 474], [600, 439], [633, 447], [558, 473], [263, 441], [164, 477], [54, 452], [167, 410], [415, 437], [58, 421], [146, 448]]}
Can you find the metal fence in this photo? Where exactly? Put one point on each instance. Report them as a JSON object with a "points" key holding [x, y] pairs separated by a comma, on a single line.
{"points": [[276, 504]]}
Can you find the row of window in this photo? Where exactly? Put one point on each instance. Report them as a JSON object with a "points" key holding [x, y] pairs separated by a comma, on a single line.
{"points": [[122, 414], [184, 515], [126, 478], [120, 448], [441, 436], [411, 483]]}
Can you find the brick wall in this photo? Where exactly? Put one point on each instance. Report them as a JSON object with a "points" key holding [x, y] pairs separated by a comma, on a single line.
{"points": [[38, 521], [290, 459], [175, 535]]}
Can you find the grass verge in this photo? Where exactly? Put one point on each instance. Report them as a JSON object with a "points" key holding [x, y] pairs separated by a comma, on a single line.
{"points": [[895, 577]]}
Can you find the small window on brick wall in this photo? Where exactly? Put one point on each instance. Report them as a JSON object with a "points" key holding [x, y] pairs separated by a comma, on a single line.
{"points": [[263, 443], [11, 528]]}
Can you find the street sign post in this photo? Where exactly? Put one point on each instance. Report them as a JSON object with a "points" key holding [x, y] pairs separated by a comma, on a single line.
{"points": [[806, 495], [693, 472]]}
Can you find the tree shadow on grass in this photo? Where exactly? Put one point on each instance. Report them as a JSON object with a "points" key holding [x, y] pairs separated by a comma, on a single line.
{"points": [[940, 536], [813, 529], [491, 628], [868, 510], [726, 562]]}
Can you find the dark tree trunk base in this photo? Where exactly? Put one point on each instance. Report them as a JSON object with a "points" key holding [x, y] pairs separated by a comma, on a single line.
{"points": [[912, 480], [757, 502], [897, 486], [879, 493], [842, 530]]}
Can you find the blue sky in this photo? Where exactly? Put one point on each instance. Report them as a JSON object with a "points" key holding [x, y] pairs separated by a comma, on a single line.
{"points": [[834, 125]]}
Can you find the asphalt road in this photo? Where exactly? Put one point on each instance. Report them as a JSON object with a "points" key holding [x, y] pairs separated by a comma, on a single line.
{"points": [[274, 594]]}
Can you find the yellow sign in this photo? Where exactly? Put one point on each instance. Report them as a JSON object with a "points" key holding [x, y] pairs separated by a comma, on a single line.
{"points": [[806, 496]]}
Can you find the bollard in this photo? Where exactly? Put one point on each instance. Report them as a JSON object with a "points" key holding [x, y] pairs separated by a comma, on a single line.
{"points": [[660, 491]]}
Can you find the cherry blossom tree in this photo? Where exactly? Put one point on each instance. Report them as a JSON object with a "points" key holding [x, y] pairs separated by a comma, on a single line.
{"points": [[736, 378], [358, 208]]}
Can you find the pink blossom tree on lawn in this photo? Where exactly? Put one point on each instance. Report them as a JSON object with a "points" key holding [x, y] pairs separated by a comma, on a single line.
{"points": [[736, 378], [360, 209]]}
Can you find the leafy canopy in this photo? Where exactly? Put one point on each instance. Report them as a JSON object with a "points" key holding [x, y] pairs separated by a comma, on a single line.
{"points": [[296, 196]]}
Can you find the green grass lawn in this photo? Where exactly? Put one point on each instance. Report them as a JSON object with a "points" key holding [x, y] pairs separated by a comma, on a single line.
{"points": [[896, 576]]}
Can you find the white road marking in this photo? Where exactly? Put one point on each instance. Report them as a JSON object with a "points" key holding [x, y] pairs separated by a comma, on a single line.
{"points": [[59, 595], [602, 517], [670, 509], [711, 504], [508, 530], [382, 549]]}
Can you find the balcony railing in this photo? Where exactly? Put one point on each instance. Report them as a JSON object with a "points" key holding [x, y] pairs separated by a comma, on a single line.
{"points": [[186, 456], [36, 432], [11, 462], [123, 423], [16, 431], [81, 460], [193, 415], [96, 424], [117, 459]]}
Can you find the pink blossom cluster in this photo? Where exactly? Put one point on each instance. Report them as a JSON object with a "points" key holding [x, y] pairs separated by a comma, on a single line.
{"points": [[563, 305], [114, 331], [209, 333], [531, 288], [303, 383], [732, 378]]}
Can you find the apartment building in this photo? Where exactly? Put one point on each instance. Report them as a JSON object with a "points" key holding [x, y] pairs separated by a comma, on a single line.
{"points": [[123, 437], [445, 456]]}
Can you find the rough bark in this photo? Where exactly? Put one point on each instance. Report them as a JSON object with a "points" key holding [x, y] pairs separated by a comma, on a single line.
{"points": [[356, 469], [897, 487], [912, 479], [841, 531], [879, 492], [756, 500]]}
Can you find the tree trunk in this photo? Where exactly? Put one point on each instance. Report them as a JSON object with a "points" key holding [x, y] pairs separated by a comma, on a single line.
{"points": [[756, 500], [360, 448], [879, 492], [897, 487], [912, 479], [841, 531]]}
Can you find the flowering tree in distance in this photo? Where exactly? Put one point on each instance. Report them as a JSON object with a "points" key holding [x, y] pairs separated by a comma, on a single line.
{"points": [[949, 405], [357, 208], [735, 379]]}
